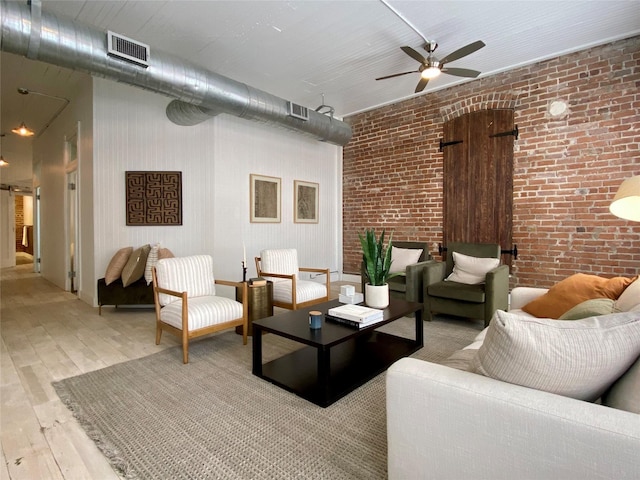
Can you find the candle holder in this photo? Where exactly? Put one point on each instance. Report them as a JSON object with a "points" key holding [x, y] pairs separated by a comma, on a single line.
{"points": [[244, 271]]}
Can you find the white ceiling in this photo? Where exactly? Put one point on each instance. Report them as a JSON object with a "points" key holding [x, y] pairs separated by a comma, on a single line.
{"points": [[300, 50]]}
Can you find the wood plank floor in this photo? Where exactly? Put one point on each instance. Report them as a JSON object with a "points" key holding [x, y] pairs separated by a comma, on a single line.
{"points": [[48, 335]]}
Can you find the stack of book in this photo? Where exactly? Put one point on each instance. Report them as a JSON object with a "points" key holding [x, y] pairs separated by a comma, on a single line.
{"points": [[257, 282], [356, 316]]}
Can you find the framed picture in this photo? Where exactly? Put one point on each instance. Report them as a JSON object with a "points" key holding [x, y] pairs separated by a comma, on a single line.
{"points": [[265, 199], [305, 202]]}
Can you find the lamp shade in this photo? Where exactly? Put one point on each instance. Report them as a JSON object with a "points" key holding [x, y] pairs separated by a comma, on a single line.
{"points": [[626, 203]]}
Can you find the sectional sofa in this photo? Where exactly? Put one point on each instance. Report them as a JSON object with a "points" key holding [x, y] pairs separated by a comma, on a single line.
{"points": [[457, 421]]}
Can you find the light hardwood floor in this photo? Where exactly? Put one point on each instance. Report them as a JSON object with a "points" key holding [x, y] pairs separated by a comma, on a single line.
{"points": [[48, 335]]}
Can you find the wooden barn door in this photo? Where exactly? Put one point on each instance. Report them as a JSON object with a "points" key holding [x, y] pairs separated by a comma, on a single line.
{"points": [[478, 178]]}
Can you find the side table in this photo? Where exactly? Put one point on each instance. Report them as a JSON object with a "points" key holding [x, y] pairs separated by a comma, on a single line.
{"points": [[260, 303]]}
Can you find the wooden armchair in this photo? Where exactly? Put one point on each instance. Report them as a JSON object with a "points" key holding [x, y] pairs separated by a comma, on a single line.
{"points": [[186, 303], [281, 267]]}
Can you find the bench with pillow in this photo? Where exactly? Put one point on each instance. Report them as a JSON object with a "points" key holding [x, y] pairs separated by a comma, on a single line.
{"points": [[127, 280]]}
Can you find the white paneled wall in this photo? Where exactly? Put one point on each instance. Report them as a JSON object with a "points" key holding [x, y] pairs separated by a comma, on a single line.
{"points": [[243, 148], [132, 132]]}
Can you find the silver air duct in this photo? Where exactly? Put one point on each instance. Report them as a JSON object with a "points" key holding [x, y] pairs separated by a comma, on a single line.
{"points": [[199, 94]]}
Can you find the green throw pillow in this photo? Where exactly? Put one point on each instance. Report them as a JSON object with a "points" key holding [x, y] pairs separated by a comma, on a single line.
{"points": [[589, 308]]}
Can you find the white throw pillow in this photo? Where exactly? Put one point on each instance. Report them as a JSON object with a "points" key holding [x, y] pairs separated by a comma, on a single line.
{"points": [[471, 270], [578, 359], [402, 257], [629, 298], [152, 260]]}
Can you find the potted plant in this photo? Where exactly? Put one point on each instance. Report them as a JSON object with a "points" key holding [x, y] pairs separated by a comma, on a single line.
{"points": [[377, 261]]}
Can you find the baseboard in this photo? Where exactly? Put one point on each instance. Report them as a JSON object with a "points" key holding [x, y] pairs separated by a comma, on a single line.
{"points": [[347, 277]]}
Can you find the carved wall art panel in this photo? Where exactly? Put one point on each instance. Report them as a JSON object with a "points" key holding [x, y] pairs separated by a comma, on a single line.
{"points": [[154, 198]]}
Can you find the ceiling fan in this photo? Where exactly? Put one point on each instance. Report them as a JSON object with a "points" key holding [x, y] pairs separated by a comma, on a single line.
{"points": [[431, 67]]}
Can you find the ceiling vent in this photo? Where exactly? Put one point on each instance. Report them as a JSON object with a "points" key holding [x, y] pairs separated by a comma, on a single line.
{"points": [[127, 49], [298, 111]]}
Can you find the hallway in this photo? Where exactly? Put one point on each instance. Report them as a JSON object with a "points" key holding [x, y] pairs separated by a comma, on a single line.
{"points": [[47, 335]]}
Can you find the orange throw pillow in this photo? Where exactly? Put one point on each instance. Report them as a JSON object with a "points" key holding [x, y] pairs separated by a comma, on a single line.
{"points": [[573, 290]]}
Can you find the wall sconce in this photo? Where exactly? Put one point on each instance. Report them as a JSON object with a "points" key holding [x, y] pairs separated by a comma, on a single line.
{"points": [[626, 203], [25, 131]]}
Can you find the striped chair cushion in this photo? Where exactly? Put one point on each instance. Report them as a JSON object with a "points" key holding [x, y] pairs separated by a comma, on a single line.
{"points": [[283, 261], [203, 312], [193, 275], [305, 290]]}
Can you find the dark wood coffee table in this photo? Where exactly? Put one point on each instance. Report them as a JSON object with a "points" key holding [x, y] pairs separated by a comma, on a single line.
{"points": [[337, 358]]}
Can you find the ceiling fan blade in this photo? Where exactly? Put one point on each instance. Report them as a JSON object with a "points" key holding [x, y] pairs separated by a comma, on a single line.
{"points": [[461, 72], [413, 54], [463, 52], [421, 84], [397, 75]]}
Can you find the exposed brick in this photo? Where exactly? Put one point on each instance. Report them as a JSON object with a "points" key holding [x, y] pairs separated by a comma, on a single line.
{"points": [[566, 170]]}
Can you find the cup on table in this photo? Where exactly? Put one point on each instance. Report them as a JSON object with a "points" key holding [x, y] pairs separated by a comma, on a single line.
{"points": [[315, 319]]}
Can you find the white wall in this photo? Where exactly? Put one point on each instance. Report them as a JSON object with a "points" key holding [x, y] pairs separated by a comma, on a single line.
{"points": [[131, 132], [49, 170], [28, 209], [243, 148], [7, 229]]}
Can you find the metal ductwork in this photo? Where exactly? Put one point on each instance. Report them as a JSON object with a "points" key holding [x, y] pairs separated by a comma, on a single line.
{"points": [[198, 94]]}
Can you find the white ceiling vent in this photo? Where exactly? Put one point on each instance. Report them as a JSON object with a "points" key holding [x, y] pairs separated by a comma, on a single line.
{"points": [[298, 111], [127, 49]]}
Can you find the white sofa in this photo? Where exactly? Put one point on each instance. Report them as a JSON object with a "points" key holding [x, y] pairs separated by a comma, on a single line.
{"points": [[446, 423]]}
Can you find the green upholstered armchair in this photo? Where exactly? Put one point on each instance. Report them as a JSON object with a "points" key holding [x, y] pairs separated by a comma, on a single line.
{"points": [[408, 284], [462, 299]]}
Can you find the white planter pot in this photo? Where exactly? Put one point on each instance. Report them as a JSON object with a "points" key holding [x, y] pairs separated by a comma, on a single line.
{"points": [[376, 296]]}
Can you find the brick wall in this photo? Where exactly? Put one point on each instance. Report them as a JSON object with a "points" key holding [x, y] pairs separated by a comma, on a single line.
{"points": [[567, 166], [19, 206]]}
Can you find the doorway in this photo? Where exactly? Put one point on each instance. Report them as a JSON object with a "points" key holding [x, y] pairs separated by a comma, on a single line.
{"points": [[71, 214], [36, 231], [7, 229], [478, 178], [24, 227], [72, 230]]}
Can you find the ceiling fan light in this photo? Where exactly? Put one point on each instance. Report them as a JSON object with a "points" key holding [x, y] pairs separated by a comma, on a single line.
{"points": [[23, 130], [431, 72]]}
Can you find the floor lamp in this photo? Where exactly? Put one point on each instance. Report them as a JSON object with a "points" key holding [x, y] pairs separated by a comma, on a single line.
{"points": [[626, 203]]}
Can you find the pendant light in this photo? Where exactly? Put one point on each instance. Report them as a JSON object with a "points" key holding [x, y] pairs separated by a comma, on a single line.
{"points": [[23, 130]]}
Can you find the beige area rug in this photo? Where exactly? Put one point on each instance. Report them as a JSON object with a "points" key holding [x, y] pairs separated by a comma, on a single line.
{"points": [[155, 418]]}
